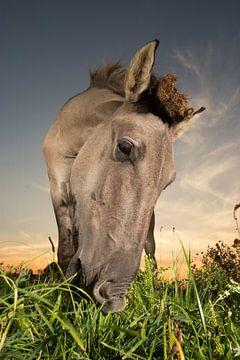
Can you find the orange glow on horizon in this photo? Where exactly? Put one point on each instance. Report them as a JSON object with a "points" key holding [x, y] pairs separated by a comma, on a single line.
{"points": [[40, 263], [35, 265]]}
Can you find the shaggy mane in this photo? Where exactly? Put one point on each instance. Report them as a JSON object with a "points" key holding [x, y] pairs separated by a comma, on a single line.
{"points": [[162, 98], [109, 76]]}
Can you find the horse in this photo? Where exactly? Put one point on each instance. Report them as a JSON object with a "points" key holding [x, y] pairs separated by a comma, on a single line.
{"points": [[109, 155]]}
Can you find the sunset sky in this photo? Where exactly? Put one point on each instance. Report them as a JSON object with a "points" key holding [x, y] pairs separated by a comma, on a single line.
{"points": [[47, 48]]}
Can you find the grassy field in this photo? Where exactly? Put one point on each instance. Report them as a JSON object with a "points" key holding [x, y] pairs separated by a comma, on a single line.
{"points": [[42, 317]]}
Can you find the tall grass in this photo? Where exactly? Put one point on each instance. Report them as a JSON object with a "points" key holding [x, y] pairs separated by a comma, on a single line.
{"points": [[51, 319]]}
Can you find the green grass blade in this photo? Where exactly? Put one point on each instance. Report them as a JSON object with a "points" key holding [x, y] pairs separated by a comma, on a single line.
{"points": [[194, 286]]}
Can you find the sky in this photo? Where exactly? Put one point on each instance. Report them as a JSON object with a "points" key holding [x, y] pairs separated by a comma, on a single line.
{"points": [[47, 48]]}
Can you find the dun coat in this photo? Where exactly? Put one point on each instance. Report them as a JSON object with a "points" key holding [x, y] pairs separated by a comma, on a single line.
{"points": [[109, 156]]}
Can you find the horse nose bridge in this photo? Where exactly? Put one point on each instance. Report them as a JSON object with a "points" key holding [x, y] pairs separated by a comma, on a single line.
{"points": [[119, 272]]}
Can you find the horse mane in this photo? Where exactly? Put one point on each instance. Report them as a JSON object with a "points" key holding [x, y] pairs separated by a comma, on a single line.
{"points": [[162, 97], [109, 76]]}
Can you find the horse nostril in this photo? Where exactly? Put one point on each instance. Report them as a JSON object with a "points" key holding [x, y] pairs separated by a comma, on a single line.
{"points": [[111, 302], [101, 291]]}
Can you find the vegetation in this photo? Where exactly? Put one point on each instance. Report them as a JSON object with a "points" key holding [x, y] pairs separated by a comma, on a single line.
{"points": [[220, 265], [44, 317]]}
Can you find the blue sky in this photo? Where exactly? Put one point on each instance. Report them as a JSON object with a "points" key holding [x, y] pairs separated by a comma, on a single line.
{"points": [[47, 48]]}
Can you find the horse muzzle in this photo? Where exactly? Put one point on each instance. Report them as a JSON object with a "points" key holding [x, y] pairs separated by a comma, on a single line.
{"points": [[103, 294]]}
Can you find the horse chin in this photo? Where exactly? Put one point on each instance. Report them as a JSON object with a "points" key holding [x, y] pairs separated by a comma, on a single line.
{"points": [[117, 304]]}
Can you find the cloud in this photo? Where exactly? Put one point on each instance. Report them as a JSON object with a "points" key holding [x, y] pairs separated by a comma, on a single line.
{"points": [[25, 238], [212, 170], [17, 247], [188, 60], [34, 185], [32, 237], [28, 219], [200, 201], [193, 137], [217, 84], [223, 148], [28, 246]]}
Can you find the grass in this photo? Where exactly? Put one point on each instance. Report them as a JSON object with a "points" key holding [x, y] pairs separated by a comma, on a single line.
{"points": [[42, 317]]}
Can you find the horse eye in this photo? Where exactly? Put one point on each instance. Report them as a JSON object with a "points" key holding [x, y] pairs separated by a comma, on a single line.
{"points": [[125, 147]]}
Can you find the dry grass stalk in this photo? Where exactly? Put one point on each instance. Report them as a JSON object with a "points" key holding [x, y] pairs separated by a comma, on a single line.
{"points": [[178, 335], [235, 216]]}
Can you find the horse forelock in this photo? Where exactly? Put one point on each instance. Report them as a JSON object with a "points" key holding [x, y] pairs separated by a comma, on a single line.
{"points": [[109, 76], [161, 98]]}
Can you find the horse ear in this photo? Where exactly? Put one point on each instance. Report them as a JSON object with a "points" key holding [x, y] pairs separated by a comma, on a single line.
{"points": [[139, 71], [179, 128]]}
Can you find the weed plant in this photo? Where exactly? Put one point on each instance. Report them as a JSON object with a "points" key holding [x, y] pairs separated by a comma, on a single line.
{"points": [[46, 317]]}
